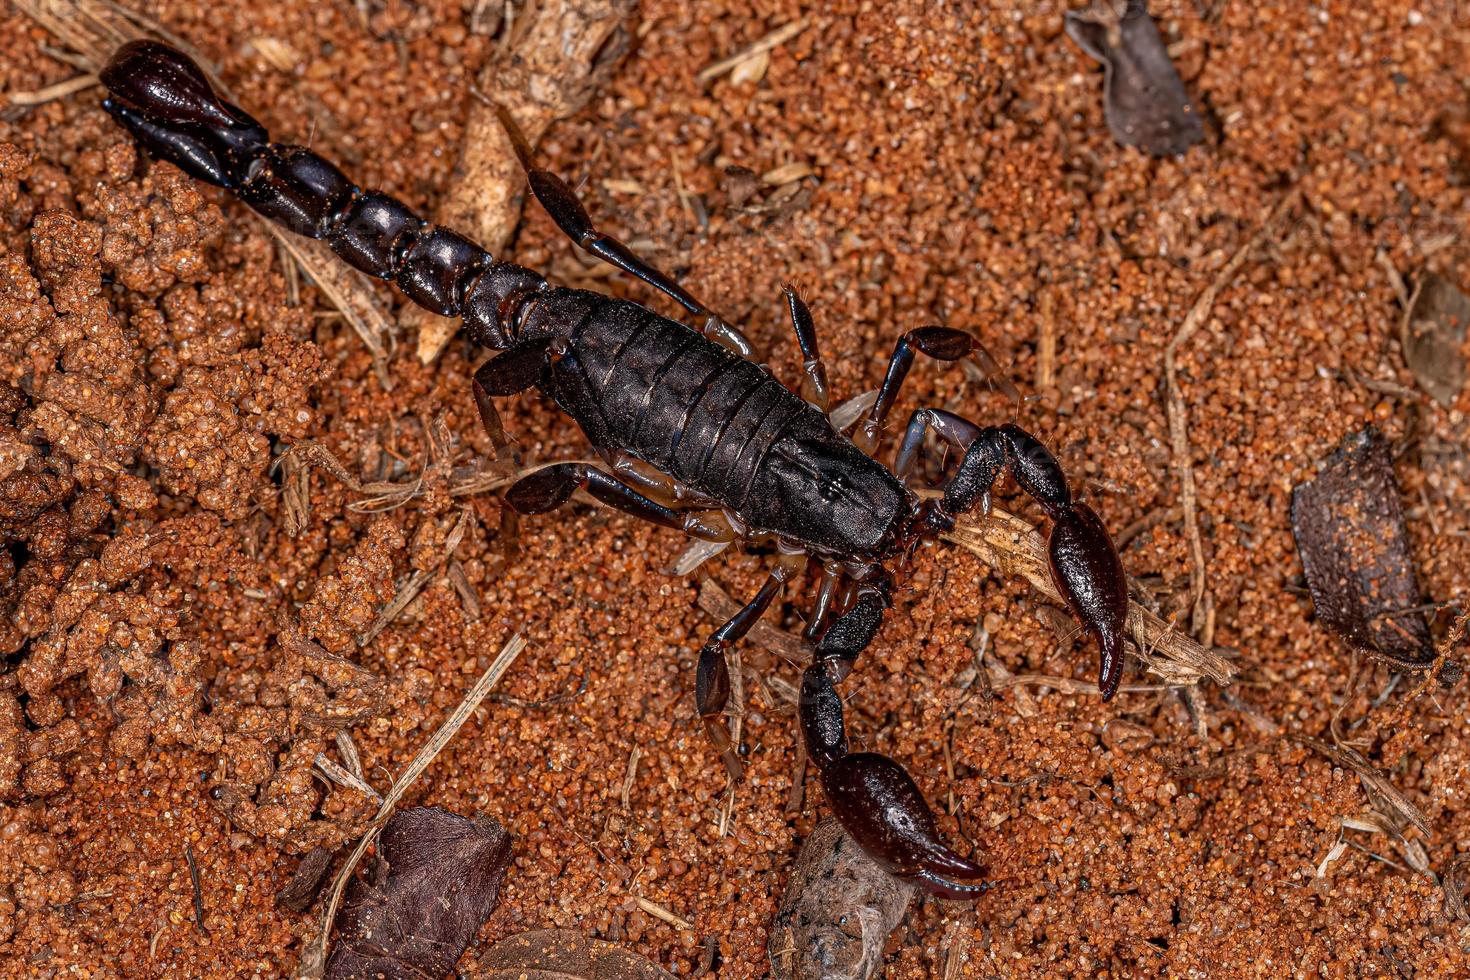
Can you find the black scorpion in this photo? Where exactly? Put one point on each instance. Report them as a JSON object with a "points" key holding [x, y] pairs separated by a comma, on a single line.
{"points": [[696, 435]]}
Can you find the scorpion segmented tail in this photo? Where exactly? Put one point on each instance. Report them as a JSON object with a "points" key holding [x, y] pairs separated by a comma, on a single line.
{"points": [[169, 106]]}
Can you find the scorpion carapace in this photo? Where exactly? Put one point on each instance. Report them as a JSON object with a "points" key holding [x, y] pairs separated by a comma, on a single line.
{"points": [[695, 435]]}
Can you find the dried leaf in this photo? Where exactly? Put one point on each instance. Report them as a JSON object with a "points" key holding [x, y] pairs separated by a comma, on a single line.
{"points": [[1454, 882], [306, 880], [1349, 527], [1144, 101], [563, 954], [837, 912], [437, 879], [1433, 337]]}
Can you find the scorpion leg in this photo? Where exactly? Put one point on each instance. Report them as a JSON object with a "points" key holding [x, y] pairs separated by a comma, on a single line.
{"points": [[940, 343], [551, 486], [561, 202], [814, 371], [712, 678], [507, 373], [1084, 562]]}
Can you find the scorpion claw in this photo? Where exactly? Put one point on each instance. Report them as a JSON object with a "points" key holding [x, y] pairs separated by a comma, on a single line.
{"points": [[1087, 571], [881, 807]]}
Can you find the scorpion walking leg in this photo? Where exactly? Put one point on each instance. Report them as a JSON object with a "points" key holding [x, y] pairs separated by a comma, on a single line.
{"points": [[877, 802], [1084, 563], [507, 373], [551, 486], [562, 203], [712, 678], [814, 371], [940, 343]]}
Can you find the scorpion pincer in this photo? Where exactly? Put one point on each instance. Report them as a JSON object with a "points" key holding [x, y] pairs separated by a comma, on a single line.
{"points": [[695, 434]]}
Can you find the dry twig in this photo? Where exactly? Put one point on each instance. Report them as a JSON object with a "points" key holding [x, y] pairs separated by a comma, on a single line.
{"points": [[314, 959], [1178, 410]]}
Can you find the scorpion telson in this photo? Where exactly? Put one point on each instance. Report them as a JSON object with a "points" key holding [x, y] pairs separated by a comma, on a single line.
{"points": [[695, 435]]}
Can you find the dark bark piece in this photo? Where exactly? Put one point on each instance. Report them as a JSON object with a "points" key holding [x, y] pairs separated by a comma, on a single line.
{"points": [[563, 954], [439, 877], [1349, 527], [837, 912], [306, 880], [1145, 102], [1433, 338]]}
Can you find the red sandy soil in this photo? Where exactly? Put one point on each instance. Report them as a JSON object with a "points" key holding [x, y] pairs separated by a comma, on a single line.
{"points": [[155, 357]]}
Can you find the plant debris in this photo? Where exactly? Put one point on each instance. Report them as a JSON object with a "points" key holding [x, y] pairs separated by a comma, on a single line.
{"points": [[563, 954], [306, 880], [1349, 527], [436, 879], [837, 912], [1143, 99], [1433, 337]]}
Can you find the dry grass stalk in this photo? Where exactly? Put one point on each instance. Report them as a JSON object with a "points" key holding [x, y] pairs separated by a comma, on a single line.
{"points": [[315, 957], [1178, 410], [1015, 549], [770, 42]]}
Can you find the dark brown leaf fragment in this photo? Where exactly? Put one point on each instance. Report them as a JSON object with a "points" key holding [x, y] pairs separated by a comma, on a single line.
{"points": [[1144, 101], [1433, 337], [837, 912], [437, 879], [563, 954], [306, 880], [1349, 527]]}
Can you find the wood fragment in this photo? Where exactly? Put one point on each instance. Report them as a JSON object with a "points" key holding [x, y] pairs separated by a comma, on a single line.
{"points": [[1046, 342], [315, 956], [306, 881], [1178, 410], [561, 52], [629, 776]]}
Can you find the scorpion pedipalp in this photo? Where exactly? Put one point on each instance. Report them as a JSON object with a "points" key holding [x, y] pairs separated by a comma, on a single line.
{"points": [[877, 801]]}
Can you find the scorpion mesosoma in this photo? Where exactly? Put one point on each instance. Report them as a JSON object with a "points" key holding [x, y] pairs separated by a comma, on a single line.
{"points": [[695, 434]]}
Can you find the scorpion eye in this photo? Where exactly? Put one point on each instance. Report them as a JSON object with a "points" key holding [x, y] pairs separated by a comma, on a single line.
{"points": [[832, 489]]}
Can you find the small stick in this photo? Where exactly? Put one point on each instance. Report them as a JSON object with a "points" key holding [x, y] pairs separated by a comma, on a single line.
{"points": [[53, 92], [659, 912], [1046, 342], [344, 777], [1178, 410], [416, 767], [198, 894], [772, 40], [629, 775]]}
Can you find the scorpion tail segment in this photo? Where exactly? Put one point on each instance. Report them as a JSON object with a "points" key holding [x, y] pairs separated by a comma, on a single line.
{"points": [[164, 98], [1087, 570], [879, 805]]}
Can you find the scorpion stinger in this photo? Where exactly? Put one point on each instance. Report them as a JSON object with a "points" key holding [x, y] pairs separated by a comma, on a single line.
{"points": [[695, 435]]}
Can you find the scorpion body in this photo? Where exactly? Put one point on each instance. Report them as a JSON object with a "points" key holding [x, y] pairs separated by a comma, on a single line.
{"points": [[696, 435]]}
